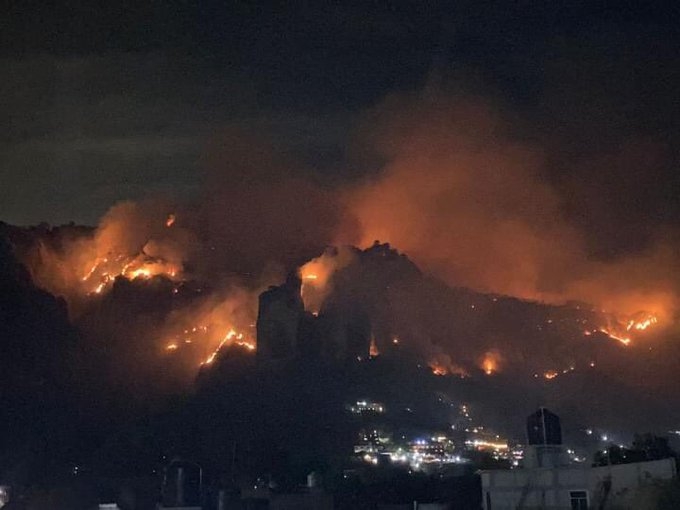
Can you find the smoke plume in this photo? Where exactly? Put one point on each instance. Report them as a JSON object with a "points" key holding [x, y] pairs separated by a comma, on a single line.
{"points": [[472, 202]]}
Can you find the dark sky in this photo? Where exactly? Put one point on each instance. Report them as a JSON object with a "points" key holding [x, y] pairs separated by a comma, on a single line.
{"points": [[103, 101]]}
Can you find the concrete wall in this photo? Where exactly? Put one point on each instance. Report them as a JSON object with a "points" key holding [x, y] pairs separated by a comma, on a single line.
{"points": [[549, 488], [545, 488], [626, 478], [419, 506]]}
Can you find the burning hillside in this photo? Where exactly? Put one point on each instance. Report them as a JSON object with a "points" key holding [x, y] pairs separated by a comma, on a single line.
{"points": [[105, 270], [623, 329], [133, 241], [155, 333], [484, 289], [492, 257], [474, 205], [456, 330], [365, 302]]}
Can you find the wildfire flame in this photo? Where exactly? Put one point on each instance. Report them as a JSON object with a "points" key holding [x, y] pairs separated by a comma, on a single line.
{"points": [[625, 340], [490, 362], [373, 349], [105, 270], [236, 339], [621, 332], [316, 275], [642, 325], [441, 364], [438, 369], [246, 345]]}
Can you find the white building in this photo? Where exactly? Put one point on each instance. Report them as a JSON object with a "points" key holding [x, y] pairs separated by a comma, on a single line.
{"points": [[573, 487], [548, 482]]}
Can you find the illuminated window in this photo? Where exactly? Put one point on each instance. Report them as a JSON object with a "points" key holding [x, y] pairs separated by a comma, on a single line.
{"points": [[579, 500]]}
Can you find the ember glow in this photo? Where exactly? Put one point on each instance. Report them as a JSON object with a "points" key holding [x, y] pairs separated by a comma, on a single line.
{"points": [[442, 364], [643, 324], [195, 334], [623, 330], [231, 337], [438, 369], [491, 361], [246, 345], [373, 349], [103, 272], [199, 337], [625, 340]]}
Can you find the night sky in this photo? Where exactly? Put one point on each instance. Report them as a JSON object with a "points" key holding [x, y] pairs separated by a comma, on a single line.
{"points": [[106, 101]]}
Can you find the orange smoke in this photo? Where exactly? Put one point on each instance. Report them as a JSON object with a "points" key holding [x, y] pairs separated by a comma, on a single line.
{"points": [[198, 333], [316, 275], [469, 203], [442, 364], [132, 241]]}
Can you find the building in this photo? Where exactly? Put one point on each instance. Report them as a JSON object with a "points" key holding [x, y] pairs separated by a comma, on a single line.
{"points": [[479, 439], [548, 482], [264, 496], [366, 406], [4, 495], [543, 428], [544, 441], [182, 487]]}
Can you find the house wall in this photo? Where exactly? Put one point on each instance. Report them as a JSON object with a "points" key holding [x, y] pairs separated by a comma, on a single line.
{"points": [[626, 478], [549, 488], [544, 488]]}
